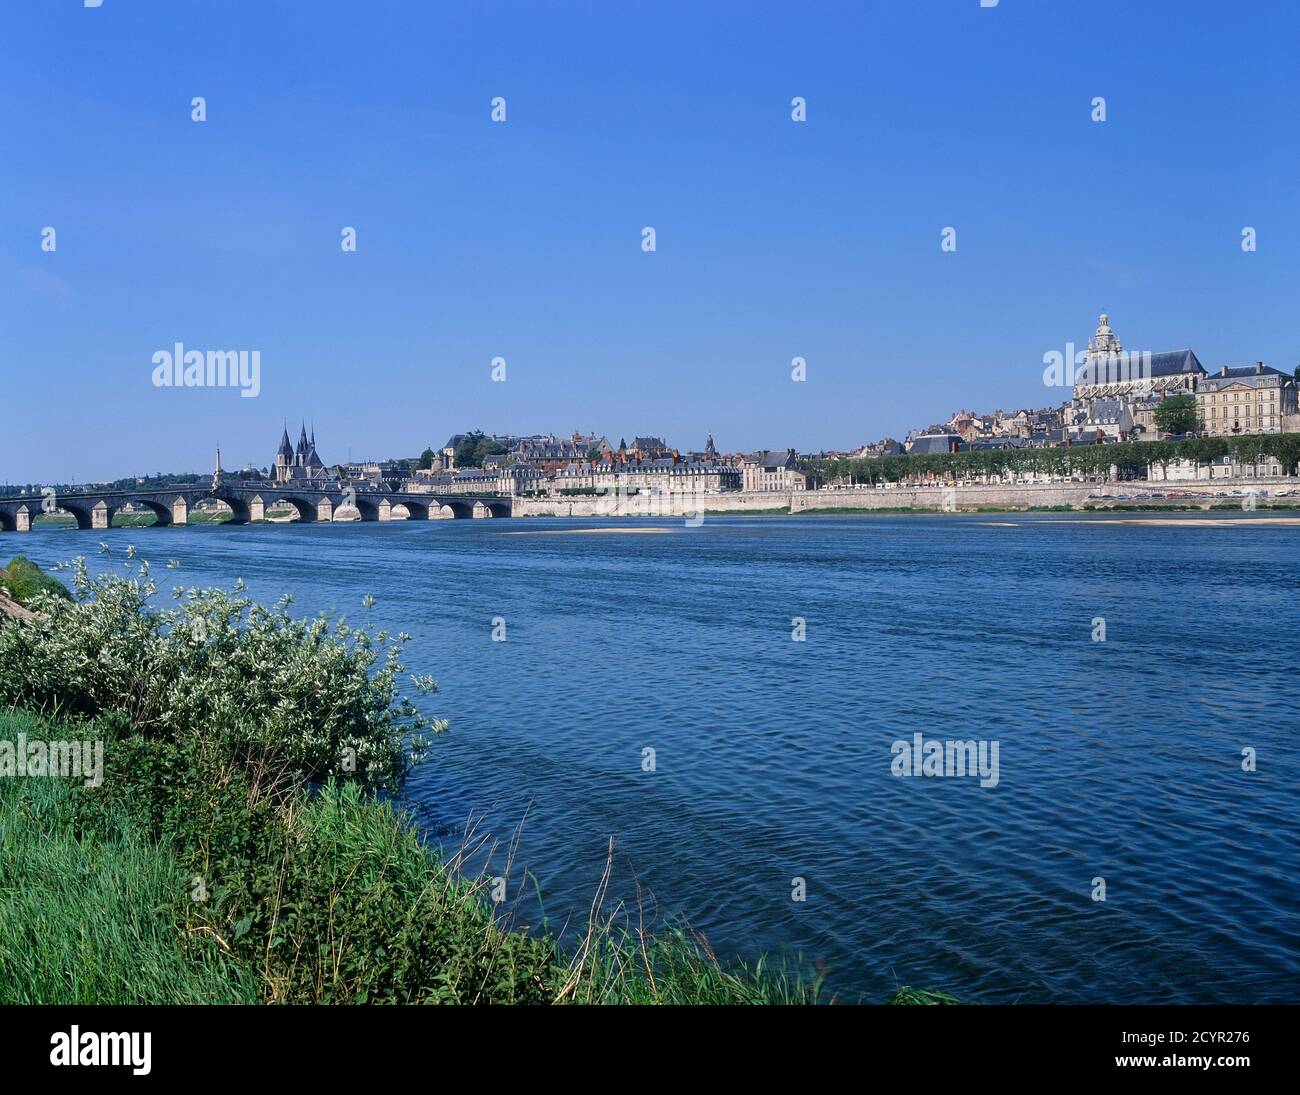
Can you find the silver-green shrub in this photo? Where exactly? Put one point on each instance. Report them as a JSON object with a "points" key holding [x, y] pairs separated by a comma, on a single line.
{"points": [[318, 697]]}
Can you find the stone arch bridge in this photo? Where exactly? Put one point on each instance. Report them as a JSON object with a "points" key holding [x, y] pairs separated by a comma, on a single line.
{"points": [[248, 502]]}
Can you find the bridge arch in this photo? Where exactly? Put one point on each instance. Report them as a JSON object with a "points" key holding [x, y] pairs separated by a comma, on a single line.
{"points": [[415, 509], [239, 514], [160, 510], [83, 510], [455, 507], [305, 507], [368, 508]]}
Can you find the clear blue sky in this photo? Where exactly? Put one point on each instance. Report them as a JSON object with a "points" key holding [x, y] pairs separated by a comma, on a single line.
{"points": [[522, 239]]}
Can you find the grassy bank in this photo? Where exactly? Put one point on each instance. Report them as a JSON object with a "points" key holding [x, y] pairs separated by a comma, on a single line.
{"points": [[244, 844], [84, 915], [777, 511], [130, 520], [907, 510], [23, 580]]}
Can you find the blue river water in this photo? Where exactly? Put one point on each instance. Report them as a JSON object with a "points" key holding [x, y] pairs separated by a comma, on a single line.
{"points": [[1118, 760]]}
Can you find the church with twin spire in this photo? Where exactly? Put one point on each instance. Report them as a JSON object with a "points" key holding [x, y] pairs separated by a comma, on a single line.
{"points": [[299, 464]]}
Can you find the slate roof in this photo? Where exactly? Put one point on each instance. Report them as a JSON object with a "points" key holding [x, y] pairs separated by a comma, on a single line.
{"points": [[1105, 410], [1258, 375], [1136, 365], [985, 444], [933, 443], [1175, 363]]}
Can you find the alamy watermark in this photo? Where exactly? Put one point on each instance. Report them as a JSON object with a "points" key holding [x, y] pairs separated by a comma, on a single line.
{"points": [[113, 1049], [627, 500], [53, 759], [182, 368], [936, 757], [1075, 368]]}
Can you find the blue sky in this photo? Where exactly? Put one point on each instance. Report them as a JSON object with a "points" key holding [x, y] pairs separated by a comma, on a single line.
{"points": [[775, 239]]}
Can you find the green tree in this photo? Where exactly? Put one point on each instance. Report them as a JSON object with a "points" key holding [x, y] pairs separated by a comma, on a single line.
{"points": [[485, 448], [426, 459], [1177, 414], [474, 447], [466, 448]]}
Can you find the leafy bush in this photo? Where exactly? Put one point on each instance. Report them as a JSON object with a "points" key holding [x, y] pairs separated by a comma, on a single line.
{"points": [[326, 897], [312, 696]]}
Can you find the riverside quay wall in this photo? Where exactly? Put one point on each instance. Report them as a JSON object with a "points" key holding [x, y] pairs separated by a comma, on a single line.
{"points": [[951, 499]]}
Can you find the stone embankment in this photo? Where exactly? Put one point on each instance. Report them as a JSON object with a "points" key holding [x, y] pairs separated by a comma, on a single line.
{"points": [[951, 499]]}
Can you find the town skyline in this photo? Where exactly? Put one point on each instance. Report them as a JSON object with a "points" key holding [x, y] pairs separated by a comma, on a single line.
{"points": [[779, 235], [1104, 344]]}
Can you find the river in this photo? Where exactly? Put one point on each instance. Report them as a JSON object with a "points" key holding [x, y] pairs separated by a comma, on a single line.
{"points": [[774, 760]]}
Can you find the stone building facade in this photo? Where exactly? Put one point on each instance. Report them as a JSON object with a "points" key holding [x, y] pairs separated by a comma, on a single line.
{"points": [[663, 475], [772, 470], [1247, 399]]}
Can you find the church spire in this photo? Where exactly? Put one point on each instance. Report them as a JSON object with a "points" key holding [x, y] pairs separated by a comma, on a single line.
{"points": [[1105, 342]]}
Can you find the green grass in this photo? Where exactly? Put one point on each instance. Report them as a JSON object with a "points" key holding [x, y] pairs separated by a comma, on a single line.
{"points": [[828, 511], [84, 919], [308, 898], [22, 579], [131, 520], [907, 995], [1139, 507], [925, 510], [120, 520], [780, 511]]}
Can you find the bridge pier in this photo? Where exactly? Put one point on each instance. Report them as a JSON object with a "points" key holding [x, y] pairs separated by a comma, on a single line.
{"points": [[251, 502]]}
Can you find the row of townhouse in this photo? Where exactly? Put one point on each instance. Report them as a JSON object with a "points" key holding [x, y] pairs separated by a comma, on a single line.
{"points": [[546, 465]]}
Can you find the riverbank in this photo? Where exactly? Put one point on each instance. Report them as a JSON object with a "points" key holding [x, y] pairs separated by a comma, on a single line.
{"points": [[1056, 497], [241, 842], [1244, 494]]}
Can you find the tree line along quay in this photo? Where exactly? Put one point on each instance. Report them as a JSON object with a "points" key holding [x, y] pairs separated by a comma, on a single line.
{"points": [[1136, 460]]}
